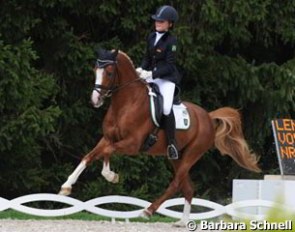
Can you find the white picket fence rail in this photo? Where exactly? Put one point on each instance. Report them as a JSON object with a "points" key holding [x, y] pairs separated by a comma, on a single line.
{"points": [[91, 206]]}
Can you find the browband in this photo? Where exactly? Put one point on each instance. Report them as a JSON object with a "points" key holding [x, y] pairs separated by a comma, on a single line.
{"points": [[103, 63]]}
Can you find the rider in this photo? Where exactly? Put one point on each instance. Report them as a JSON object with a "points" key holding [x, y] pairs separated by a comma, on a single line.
{"points": [[159, 66]]}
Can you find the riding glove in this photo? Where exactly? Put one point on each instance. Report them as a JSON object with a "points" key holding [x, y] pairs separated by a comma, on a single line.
{"points": [[138, 71], [146, 74]]}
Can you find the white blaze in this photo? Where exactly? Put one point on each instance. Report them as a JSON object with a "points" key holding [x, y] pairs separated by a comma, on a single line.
{"points": [[95, 96], [98, 76]]}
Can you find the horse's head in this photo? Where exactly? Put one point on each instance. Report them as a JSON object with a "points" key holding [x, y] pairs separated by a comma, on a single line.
{"points": [[105, 73], [114, 71]]}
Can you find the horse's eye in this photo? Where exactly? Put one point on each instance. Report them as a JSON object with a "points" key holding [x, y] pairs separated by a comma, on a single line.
{"points": [[109, 74]]}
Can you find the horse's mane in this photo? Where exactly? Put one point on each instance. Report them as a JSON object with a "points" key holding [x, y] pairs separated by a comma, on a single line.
{"points": [[127, 57]]}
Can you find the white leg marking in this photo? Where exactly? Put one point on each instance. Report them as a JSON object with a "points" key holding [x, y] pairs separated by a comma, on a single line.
{"points": [[185, 216], [74, 176], [186, 211], [109, 175]]}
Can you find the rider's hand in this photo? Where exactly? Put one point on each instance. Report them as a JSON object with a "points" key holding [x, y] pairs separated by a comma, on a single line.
{"points": [[138, 71], [145, 74]]}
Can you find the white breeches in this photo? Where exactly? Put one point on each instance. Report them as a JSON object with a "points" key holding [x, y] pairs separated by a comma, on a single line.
{"points": [[167, 90]]}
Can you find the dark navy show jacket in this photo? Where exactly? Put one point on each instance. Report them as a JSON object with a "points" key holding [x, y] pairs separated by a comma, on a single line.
{"points": [[161, 58]]}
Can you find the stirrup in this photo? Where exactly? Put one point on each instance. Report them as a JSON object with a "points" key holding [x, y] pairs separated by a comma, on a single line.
{"points": [[172, 152]]}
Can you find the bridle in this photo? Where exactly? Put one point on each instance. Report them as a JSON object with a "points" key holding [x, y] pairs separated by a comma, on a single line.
{"points": [[111, 88]]}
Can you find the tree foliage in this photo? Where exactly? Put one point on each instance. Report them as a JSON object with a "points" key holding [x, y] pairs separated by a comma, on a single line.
{"points": [[28, 114], [231, 53]]}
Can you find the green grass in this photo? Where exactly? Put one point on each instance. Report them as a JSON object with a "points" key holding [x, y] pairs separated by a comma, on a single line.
{"points": [[12, 214]]}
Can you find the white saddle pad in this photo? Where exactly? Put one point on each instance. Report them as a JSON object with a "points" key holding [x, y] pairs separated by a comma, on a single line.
{"points": [[182, 118]]}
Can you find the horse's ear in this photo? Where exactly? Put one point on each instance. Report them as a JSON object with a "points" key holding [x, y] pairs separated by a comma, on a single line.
{"points": [[115, 53], [100, 52]]}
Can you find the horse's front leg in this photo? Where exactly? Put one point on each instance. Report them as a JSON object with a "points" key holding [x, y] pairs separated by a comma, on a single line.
{"points": [[106, 172], [66, 188], [102, 149], [125, 146]]}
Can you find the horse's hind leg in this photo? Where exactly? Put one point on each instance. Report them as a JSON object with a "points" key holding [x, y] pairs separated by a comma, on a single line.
{"points": [[188, 192], [182, 168], [103, 148], [174, 187]]}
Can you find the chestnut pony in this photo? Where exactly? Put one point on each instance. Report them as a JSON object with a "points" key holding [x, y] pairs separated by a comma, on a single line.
{"points": [[128, 122]]}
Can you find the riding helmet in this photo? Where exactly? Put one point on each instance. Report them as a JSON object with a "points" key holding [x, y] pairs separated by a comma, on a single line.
{"points": [[166, 13]]}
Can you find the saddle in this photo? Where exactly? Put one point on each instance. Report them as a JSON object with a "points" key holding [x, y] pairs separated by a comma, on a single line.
{"points": [[182, 118]]}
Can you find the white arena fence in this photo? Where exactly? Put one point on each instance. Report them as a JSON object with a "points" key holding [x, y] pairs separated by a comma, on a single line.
{"points": [[215, 210]]}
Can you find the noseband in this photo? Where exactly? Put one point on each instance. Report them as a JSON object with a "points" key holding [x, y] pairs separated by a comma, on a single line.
{"points": [[111, 88]]}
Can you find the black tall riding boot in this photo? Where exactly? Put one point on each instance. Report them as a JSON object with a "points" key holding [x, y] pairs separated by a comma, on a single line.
{"points": [[169, 127]]}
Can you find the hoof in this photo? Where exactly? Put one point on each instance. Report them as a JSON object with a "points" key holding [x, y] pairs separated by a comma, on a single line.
{"points": [[180, 223], [145, 214], [65, 191], [115, 179]]}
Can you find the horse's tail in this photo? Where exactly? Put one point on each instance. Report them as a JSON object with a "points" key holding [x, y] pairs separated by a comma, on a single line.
{"points": [[229, 138]]}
